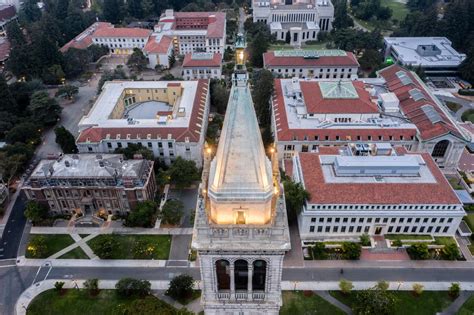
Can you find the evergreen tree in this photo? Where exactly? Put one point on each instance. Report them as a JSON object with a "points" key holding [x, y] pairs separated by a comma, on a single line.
{"points": [[137, 61], [135, 9], [341, 17], [61, 9], [44, 109], [467, 67], [30, 11], [111, 11], [7, 101], [73, 23], [15, 35]]}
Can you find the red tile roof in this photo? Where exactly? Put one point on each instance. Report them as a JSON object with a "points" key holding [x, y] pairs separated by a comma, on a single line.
{"points": [[374, 193], [317, 104], [193, 131], [270, 60], [161, 47], [84, 40], [213, 21], [4, 49], [7, 12], [413, 109], [122, 32], [215, 61], [285, 133]]}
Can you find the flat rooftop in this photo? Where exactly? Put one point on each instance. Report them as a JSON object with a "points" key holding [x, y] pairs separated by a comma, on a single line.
{"points": [[425, 51]]}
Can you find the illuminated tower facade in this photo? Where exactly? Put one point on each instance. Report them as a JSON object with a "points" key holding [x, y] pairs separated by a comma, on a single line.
{"points": [[241, 229]]}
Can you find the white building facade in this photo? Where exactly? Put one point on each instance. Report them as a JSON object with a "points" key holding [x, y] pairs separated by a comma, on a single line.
{"points": [[202, 66], [303, 19], [121, 40], [168, 118], [376, 194]]}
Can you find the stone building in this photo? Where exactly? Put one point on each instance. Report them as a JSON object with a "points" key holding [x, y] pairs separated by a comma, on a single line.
{"points": [[91, 184], [241, 230]]}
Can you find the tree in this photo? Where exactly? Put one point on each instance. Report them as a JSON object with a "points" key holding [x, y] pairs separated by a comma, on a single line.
{"points": [[53, 75], [384, 13], [383, 285], [450, 252], [371, 59], [364, 239], [35, 212], [74, 22], [261, 37], [65, 140], [24, 132], [373, 301], [135, 9], [128, 287], [351, 250], [397, 243], [30, 11], [15, 35], [172, 59], [295, 196], [418, 288], [219, 95], [262, 91], [92, 285], [37, 247], [143, 215], [7, 101], [341, 17], [117, 74], [345, 286], [137, 61], [44, 109], [111, 11], [183, 173], [11, 164], [418, 251], [7, 122], [172, 212], [466, 69], [228, 54], [318, 251], [133, 150], [105, 246], [454, 290], [181, 287], [67, 91]]}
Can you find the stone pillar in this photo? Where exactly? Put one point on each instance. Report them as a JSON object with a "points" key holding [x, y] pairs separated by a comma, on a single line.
{"points": [[249, 281], [232, 280]]}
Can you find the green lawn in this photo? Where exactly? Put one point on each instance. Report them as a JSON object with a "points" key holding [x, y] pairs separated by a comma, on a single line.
{"points": [[467, 308], [455, 183], [399, 10], [470, 220], [444, 240], [295, 303], [53, 244], [79, 302], [157, 245], [83, 235], [76, 253], [429, 303], [468, 115], [402, 237]]}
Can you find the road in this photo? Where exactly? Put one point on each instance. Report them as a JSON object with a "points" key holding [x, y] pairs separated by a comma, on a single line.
{"points": [[11, 237]]}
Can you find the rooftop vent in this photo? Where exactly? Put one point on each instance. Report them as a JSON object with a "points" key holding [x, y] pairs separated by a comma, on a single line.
{"points": [[431, 113], [416, 95], [404, 78], [67, 163]]}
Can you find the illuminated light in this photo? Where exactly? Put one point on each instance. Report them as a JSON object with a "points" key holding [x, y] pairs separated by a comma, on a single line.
{"points": [[275, 190], [209, 150], [204, 191], [272, 150]]}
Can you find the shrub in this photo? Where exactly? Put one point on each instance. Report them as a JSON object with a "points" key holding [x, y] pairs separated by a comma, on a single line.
{"points": [[181, 287], [419, 251], [105, 246], [172, 212], [58, 285], [365, 240], [373, 301], [345, 286], [383, 285], [318, 250], [418, 289], [351, 250], [450, 252], [35, 212], [454, 290], [397, 243], [92, 285], [127, 287], [466, 92], [37, 247]]}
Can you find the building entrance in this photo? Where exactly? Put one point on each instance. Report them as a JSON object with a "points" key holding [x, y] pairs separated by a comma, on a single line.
{"points": [[378, 230]]}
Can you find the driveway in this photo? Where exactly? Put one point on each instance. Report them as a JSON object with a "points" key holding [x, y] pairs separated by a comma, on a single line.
{"points": [[189, 198]]}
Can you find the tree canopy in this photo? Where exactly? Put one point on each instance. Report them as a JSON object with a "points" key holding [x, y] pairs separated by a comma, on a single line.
{"points": [[66, 140]]}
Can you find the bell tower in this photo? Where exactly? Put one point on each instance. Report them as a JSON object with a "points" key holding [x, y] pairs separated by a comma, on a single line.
{"points": [[241, 229]]}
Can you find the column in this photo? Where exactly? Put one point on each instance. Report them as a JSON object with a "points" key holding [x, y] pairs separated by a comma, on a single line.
{"points": [[232, 280], [249, 281]]}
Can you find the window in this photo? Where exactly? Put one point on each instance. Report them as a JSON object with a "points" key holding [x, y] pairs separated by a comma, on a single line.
{"points": [[353, 220], [450, 220], [119, 144], [320, 229], [259, 275], [313, 219], [441, 220], [241, 275], [438, 228], [321, 219], [430, 229], [150, 145], [335, 229], [337, 220], [422, 229], [359, 229], [351, 229], [377, 220], [109, 145], [170, 145], [413, 229], [366, 229], [223, 274], [393, 220], [398, 229], [344, 220], [440, 149], [405, 229], [417, 220], [329, 220], [390, 229], [311, 229], [385, 220], [327, 229], [343, 229], [445, 230]]}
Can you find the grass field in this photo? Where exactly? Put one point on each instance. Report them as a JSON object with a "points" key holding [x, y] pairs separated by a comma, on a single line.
{"points": [[53, 244], [157, 246], [76, 253], [295, 302], [468, 115], [469, 218], [399, 10], [402, 237], [79, 302], [429, 303], [467, 308]]}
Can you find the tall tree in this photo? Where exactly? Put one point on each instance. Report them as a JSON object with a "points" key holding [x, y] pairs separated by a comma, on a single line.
{"points": [[135, 9], [66, 140], [44, 109], [73, 23], [111, 11], [7, 101], [467, 67], [30, 11], [341, 17], [137, 61], [261, 94], [61, 9], [15, 35]]}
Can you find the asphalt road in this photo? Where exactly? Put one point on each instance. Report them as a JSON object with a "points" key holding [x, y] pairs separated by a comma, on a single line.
{"points": [[10, 240]]}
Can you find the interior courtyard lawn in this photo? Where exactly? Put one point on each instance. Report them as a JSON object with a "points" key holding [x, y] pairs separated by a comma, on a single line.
{"points": [[136, 246], [429, 303], [80, 302], [53, 243], [295, 302], [467, 308], [76, 253]]}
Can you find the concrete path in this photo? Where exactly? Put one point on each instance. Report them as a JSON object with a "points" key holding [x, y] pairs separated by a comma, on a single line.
{"points": [[328, 297], [180, 245], [457, 304], [79, 242], [462, 242], [101, 263], [120, 230], [295, 256]]}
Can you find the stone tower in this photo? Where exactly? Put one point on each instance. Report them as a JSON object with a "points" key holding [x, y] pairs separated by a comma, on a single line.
{"points": [[241, 229]]}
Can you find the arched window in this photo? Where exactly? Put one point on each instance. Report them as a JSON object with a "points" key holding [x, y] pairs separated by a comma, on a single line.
{"points": [[241, 275], [223, 275], [440, 149], [259, 275]]}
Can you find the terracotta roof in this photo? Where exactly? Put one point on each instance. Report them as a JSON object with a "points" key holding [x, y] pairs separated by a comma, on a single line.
{"points": [[4, 49], [316, 103], [215, 22], [84, 40], [285, 133], [7, 12], [374, 193], [193, 131], [161, 47], [412, 109], [122, 32], [270, 60], [215, 61]]}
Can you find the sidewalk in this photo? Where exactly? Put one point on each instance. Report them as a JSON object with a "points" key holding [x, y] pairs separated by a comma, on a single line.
{"points": [[399, 264], [99, 230], [79, 242], [109, 263]]}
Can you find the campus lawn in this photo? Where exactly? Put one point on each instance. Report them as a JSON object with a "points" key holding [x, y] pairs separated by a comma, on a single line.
{"points": [[402, 237], [158, 246], [399, 10], [53, 244], [444, 240], [429, 303], [76, 253], [295, 302], [79, 302], [83, 235], [469, 218], [468, 115], [467, 308]]}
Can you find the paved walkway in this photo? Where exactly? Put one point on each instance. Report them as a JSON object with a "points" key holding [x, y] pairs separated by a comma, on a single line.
{"points": [[393, 255], [294, 257], [457, 304], [180, 245], [328, 297], [463, 242], [79, 242], [118, 230]]}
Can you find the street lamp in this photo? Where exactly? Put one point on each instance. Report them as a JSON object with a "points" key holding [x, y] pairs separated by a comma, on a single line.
{"points": [[399, 284]]}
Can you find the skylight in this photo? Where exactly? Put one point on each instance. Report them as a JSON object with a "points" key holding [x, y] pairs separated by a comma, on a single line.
{"points": [[338, 90]]}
